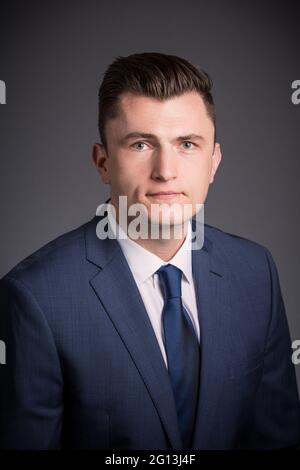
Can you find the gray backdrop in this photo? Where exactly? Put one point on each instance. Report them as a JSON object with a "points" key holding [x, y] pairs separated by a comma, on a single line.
{"points": [[52, 57]]}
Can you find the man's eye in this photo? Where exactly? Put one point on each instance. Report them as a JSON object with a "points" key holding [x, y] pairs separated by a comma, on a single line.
{"points": [[139, 145], [190, 144]]}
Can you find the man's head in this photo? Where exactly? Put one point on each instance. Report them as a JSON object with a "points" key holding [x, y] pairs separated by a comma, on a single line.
{"points": [[158, 130], [154, 75]]}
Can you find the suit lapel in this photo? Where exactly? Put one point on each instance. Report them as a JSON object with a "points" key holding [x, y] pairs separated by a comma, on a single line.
{"points": [[116, 289], [213, 312]]}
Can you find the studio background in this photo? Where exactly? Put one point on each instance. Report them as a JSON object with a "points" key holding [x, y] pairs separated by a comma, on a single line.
{"points": [[52, 59]]}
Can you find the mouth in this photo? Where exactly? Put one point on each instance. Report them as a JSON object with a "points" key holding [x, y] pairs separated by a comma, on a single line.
{"points": [[164, 195]]}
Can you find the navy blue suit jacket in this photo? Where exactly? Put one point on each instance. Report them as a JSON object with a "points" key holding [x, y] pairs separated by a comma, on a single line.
{"points": [[84, 369]]}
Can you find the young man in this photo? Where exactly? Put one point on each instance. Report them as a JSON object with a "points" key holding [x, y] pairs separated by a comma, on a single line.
{"points": [[143, 342]]}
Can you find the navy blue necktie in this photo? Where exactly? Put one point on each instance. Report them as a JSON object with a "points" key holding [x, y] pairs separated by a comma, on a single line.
{"points": [[182, 350]]}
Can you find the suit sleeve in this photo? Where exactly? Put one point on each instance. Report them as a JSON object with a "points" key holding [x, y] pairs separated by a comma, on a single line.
{"points": [[31, 403], [277, 414]]}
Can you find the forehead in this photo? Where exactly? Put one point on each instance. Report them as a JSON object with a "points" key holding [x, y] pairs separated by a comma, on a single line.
{"points": [[186, 112]]}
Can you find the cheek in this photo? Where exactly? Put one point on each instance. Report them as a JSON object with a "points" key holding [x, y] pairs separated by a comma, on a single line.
{"points": [[126, 182], [123, 165], [129, 173], [119, 171], [197, 181], [197, 171]]}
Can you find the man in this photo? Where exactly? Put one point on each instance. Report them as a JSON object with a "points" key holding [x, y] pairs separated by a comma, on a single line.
{"points": [[146, 343]]}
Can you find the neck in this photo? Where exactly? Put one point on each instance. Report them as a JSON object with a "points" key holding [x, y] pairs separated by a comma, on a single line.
{"points": [[163, 247]]}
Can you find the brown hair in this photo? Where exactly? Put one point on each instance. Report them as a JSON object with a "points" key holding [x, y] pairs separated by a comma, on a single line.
{"points": [[152, 74]]}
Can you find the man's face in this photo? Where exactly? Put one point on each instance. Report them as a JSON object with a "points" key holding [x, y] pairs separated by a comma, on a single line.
{"points": [[155, 146]]}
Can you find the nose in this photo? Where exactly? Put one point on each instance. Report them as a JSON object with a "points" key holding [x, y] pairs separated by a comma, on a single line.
{"points": [[165, 166]]}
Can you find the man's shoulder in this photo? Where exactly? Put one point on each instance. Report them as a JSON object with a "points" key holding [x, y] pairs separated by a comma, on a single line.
{"points": [[227, 240], [245, 263], [65, 250], [241, 253]]}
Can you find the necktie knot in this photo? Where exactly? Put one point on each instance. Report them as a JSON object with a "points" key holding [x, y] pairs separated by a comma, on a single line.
{"points": [[170, 277]]}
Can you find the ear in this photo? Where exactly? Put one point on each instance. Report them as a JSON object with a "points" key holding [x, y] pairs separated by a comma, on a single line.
{"points": [[100, 157], [216, 160]]}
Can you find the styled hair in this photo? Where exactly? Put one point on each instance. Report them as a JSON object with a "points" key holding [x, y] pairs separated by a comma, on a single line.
{"points": [[154, 75]]}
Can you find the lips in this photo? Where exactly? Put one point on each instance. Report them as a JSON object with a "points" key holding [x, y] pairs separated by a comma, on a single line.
{"points": [[164, 195]]}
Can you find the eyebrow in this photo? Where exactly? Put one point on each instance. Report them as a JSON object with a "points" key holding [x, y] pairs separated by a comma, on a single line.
{"points": [[145, 135]]}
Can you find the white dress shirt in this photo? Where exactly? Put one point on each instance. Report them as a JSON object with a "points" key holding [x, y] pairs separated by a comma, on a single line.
{"points": [[144, 264]]}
